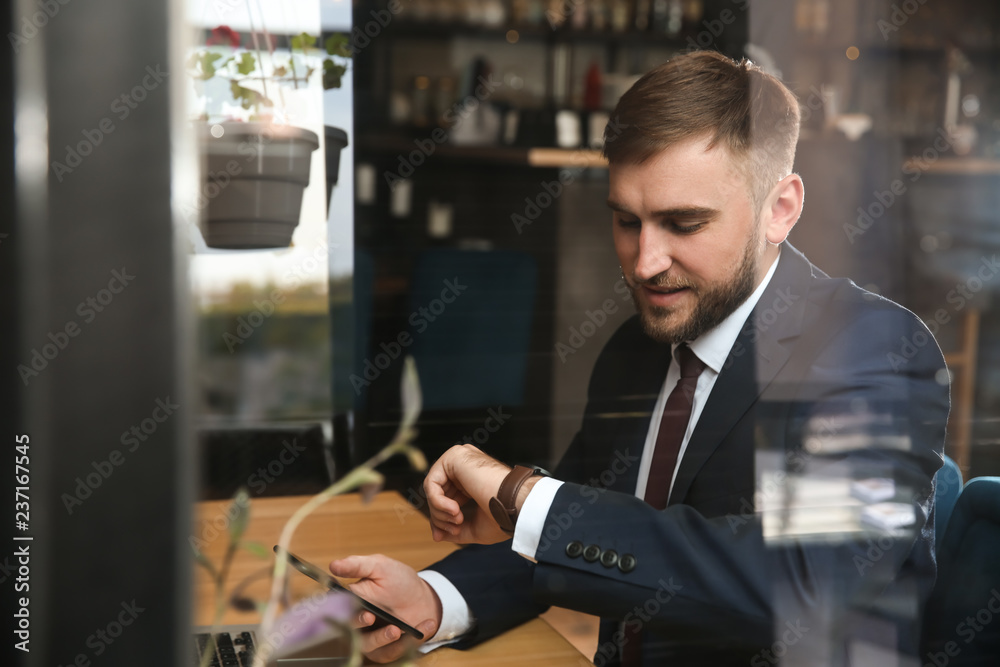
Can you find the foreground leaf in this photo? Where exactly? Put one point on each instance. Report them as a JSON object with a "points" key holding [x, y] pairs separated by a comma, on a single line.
{"points": [[338, 45], [303, 41]]}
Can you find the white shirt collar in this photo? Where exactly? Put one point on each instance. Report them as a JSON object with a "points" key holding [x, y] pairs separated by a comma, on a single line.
{"points": [[713, 346]]}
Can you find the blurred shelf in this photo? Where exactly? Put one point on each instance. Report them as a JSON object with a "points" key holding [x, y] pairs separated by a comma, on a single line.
{"points": [[957, 166], [504, 155], [434, 30], [883, 50], [562, 157]]}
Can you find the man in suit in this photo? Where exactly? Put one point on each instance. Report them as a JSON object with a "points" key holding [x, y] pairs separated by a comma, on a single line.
{"points": [[716, 506]]}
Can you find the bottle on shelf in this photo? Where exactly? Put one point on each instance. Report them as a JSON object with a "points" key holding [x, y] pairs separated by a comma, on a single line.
{"points": [[592, 88], [619, 15], [520, 11], [555, 13], [812, 18], [643, 9], [659, 16], [494, 13], [667, 17], [693, 12], [536, 13], [675, 17], [444, 99], [600, 15], [421, 101], [580, 14]]}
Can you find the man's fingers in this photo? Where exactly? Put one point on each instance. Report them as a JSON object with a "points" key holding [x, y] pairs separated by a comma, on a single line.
{"points": [[454, 534], [427, 628], [443, 516], [353, 567], [442, 491], [436, 476], [438, 498], [440, 531], [377, 643], [362, 619], [446, 522], [389, 643]]}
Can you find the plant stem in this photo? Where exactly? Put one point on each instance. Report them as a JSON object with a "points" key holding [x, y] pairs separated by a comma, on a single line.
{"points": [[361, 475], [220, 600]]}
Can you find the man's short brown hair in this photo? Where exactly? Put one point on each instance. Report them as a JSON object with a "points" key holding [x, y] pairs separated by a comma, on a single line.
{"points": [[703, 93]]}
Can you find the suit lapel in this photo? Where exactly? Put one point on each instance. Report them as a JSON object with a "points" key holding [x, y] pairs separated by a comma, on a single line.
{"points": [[760, 351]]}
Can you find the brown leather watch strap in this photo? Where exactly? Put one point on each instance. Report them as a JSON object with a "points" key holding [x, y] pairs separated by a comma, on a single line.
{"points": [[503, 506]]}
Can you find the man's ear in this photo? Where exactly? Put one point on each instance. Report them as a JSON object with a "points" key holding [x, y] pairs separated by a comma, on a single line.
{"points": [[784, 208]]}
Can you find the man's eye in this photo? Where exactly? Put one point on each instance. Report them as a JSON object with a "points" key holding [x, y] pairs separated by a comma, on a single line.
{"points": [[688, 228], [628, 222]]}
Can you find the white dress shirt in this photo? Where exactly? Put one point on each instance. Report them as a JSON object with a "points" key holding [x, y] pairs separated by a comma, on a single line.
{"points": [[712, 347]]}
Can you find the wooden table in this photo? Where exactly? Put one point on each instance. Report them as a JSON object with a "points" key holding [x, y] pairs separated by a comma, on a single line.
{"points": [[342, 527]]}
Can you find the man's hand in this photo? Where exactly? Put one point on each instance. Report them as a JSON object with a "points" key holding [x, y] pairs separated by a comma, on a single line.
{"points": [[395, 587], [459, 487]]}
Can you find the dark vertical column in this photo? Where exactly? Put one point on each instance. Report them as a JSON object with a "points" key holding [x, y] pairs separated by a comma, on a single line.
{"points": [[100, 361], [10, 397]]}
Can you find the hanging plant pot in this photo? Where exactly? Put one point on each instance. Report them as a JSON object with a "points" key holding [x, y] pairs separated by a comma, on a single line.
{"points": [[336, 141], [256, 175]]}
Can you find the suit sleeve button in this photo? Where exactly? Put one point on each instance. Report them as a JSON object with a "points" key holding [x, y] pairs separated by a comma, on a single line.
{"points": [[609, 558], [627, 563], [574, 549], [592, 553]]}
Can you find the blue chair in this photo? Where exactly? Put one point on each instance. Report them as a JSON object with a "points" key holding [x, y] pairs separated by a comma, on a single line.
{"points": [[471, 339], [350, 345], [962, 621], [947, 487]]}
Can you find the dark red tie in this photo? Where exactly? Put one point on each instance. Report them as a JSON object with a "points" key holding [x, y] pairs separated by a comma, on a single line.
{"points": [[676, 414]]}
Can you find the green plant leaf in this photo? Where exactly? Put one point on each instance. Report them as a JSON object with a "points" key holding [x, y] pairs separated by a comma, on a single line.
{"points": [[280, 71], [248, 98], [257, 549], [371, 487], [303, 41], [241, 94], [333, 74], [239, 510], [410, 391], [337, 44], [247, 64], [202, 64], [416, 457]]}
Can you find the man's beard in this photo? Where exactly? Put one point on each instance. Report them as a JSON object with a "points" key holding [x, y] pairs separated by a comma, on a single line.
{"points": [[714, 303]]}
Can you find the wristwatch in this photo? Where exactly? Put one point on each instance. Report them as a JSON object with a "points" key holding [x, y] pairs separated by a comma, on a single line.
{"points": [[503, 506]]}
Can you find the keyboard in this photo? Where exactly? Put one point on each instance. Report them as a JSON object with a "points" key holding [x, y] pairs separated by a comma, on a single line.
{"points": [[232, 649]]}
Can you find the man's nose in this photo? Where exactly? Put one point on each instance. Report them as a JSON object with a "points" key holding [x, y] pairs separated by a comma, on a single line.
{"points": [[655, 253]]}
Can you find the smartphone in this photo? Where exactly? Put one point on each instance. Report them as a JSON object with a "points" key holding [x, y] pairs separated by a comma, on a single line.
{"points": [[382, 617]]}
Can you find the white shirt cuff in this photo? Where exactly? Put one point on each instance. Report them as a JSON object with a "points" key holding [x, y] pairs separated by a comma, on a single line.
{"points": [[456, 617], [531, 518]]}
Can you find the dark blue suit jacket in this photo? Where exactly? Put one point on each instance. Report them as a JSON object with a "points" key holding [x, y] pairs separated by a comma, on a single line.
{"points": [[825, 382]]}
